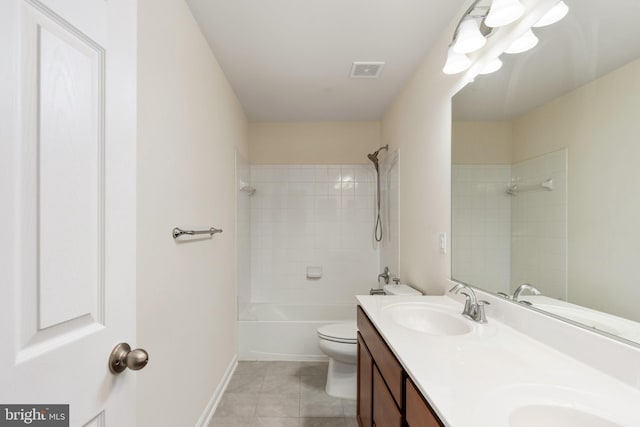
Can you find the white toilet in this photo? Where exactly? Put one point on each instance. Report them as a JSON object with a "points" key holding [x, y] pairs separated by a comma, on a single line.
{"points": [[339, 342]]}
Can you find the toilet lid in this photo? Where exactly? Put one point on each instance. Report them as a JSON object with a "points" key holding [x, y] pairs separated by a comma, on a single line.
{"points": [[340, 332]]}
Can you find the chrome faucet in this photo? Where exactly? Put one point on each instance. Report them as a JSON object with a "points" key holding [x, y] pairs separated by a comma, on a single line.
{"points": [[525, 287], [471, 301], [473, 309], [384, 275]]}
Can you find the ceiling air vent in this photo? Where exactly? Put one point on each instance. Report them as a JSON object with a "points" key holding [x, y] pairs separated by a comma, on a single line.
{"points": [[366, 70]]}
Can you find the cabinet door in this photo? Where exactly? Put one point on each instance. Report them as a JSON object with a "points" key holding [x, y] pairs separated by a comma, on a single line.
{"points": [[419, 414], [385, 411], [383, 357], [365, 385]]}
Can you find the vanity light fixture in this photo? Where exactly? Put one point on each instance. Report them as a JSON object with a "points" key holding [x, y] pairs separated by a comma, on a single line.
{"points": [[492, 67], [469, 38], [456, 62], [503, 12], [470, 35], [527, 41], [558, 12]]}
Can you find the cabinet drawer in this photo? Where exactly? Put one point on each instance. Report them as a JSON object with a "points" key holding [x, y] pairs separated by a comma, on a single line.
{"points": [[419, 414], [385, 411], [385, 360]]}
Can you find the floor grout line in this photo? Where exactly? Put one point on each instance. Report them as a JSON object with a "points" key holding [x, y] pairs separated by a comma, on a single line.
{"points": [[279, 370]]}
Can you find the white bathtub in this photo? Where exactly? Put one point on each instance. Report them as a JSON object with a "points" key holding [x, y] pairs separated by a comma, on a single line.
{"points": [[286, 332]]}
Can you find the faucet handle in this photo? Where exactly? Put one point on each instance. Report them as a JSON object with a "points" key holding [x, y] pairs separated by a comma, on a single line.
{"points": [[503, 295], [480, 316]]}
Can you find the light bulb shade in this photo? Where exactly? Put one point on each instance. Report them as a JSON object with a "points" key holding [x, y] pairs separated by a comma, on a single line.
{"points": [[456, 62], [503, 12], [492, 67], [469, 38], [527, 41], [556, 13]]}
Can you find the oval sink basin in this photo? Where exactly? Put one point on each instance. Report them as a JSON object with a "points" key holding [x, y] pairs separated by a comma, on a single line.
{"points": [[556, 416], [428, 319], [546, 405]]}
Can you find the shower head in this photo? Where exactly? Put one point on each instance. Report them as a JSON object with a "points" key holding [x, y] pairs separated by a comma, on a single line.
{"points": [[374, 156]]}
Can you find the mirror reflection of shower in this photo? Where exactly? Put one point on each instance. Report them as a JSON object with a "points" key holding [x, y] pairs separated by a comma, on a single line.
{"points": [[248, 189], [377, 233]]}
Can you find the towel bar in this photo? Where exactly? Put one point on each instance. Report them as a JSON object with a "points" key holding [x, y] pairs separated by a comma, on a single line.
{"points": [[177, 232]]}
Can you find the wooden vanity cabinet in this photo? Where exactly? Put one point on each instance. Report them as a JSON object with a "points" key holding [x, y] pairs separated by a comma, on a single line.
{"points": [[386, 396], [385, 411], [365, 384], [380, 379], [418, 411]]}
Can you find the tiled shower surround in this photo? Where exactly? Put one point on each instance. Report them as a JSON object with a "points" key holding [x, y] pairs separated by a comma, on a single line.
{"points": [[312, 216], [539, 225], [481, 225], [500, 241]]}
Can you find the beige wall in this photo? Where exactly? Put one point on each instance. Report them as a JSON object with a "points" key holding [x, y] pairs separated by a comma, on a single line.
{"points": [[313, 142], [190, 124], [481, 143], [599, 125], [419, 125]]}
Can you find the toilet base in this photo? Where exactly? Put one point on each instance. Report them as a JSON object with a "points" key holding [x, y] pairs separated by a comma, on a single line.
{"points": [[342, 380]]}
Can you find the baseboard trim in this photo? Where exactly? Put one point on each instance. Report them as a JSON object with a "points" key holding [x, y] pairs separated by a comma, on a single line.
{"points": [[206, 416]]}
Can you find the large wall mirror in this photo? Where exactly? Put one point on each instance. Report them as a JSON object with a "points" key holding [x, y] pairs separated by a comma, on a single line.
{"points": [[546, 171]]}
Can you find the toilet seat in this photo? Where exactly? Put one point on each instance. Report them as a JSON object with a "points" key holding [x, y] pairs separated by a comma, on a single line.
{"points": [[345, 333]]}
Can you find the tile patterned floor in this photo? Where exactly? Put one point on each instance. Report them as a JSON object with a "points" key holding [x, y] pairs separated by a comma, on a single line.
{"points": [[282, 394]]}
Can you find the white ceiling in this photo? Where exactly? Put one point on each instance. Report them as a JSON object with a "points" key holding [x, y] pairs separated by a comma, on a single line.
{"points": [[289, 60], [596, 37]]}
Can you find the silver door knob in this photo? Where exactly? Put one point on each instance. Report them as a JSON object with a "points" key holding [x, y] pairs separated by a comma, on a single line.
{"points": [[122, 357]]}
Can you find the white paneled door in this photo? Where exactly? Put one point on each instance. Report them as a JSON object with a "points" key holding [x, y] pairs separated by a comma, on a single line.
{"points": [[67, 205]]}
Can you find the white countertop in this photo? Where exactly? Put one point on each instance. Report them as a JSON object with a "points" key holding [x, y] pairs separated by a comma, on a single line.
{"points": [[482, 378]]}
